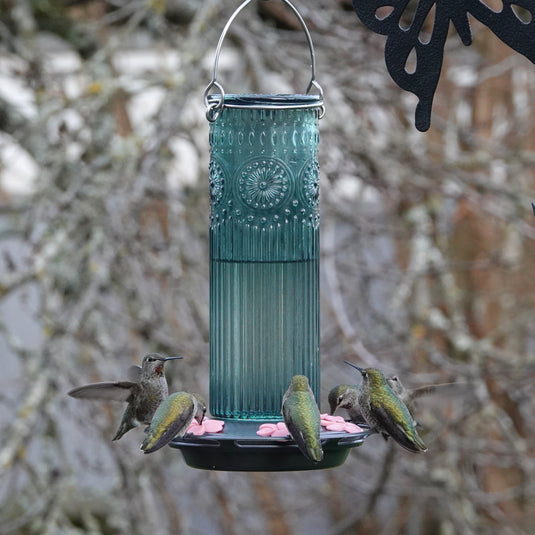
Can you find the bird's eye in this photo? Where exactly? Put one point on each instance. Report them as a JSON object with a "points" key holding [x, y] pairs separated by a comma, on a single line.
{"points": [[364, 374], [340, 398], [394, 378], [150, 359]]}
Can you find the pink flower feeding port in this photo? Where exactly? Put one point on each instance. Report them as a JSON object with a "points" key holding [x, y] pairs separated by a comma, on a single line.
{"points": [[264, 276], [208, 426], [330, 423]]}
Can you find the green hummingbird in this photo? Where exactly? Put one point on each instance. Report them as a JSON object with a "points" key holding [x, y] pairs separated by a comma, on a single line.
{"points": [[385, 412], [144, 391], [302, 417], [172, 419], [346, 397]]}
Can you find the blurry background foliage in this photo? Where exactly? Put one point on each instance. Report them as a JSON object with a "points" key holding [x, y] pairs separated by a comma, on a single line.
{"points": [[428, 263]]}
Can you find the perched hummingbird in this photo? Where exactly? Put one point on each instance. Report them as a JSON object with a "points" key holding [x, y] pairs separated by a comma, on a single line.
{"points": [[384, 411], [302, 417], [172, 418], [346, 397], [144, 392]]}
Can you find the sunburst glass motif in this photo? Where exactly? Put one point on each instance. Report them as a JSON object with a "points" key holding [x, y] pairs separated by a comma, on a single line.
{"points": [[263, 184]]}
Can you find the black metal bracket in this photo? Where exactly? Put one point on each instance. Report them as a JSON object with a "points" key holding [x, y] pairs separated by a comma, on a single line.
{"points": [[514, 25]]}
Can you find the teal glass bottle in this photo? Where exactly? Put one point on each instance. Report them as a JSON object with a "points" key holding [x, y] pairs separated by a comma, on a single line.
{"points": [[264, 252]]}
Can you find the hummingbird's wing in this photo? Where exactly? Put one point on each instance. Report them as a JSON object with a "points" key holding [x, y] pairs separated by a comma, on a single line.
{"points": [[171, 419], [297, 435], [430, 389], [111, 390], [402, 431], [304, 424]]}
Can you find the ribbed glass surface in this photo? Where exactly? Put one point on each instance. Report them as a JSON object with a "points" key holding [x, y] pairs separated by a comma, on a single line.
{"points": [[264, 255]]}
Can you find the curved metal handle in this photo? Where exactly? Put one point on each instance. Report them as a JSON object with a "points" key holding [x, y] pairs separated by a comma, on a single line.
{"points": [[213, 108]]}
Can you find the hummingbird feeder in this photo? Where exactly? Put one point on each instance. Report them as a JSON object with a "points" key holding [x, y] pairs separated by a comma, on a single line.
{"points": [[264, 272]]}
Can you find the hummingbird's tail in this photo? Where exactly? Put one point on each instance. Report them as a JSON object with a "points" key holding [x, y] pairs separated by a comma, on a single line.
{"points": [[413, 443], [128, 422]]}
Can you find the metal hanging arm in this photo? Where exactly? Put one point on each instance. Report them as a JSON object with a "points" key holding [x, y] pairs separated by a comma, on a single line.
{"points": [[213, 108]]}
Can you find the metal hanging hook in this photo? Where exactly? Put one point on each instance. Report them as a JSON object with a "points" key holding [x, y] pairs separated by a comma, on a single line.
{"points": [[214, 107]]}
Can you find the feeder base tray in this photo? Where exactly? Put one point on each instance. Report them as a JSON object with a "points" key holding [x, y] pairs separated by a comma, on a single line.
{"points": [[239, 448]]}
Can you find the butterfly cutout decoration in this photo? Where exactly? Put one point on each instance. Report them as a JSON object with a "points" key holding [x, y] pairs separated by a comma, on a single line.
{"points": [[514, 25]]}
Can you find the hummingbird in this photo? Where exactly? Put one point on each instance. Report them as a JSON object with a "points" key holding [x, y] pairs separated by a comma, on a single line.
{"points": [[346, 397], [384, 411], [172, 418], [144, 392], [302, 417], [409, 395]]}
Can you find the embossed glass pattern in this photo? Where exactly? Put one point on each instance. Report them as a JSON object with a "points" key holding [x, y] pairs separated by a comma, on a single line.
{"points": [[264, 252]]}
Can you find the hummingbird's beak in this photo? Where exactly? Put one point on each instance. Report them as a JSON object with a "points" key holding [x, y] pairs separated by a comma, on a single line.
{"points": [[355, 366], [170, 358]]}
